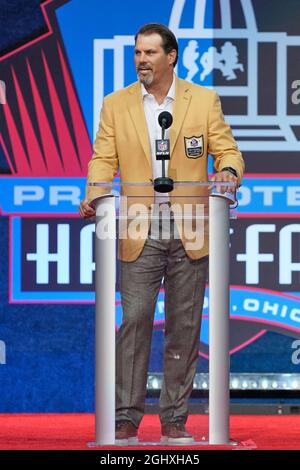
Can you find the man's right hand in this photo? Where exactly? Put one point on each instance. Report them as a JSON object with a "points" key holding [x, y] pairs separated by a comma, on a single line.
{"points": [[86, 211]]}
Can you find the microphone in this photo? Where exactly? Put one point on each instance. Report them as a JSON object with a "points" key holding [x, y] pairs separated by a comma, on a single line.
{"points": [[163, 184], [165, 120]]}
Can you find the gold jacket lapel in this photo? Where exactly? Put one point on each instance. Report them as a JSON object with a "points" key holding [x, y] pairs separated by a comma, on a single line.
{"points": [[181, 104], [136, 110]]}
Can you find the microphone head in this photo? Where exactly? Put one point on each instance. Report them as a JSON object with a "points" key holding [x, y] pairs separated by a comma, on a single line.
{"points": [[165, 119]]}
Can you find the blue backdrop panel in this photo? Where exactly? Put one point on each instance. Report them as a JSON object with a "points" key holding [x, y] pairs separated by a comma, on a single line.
{"points": [[57, 65]]}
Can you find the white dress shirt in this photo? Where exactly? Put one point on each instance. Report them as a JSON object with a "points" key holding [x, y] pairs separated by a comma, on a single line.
{"points": [[152, 111]]}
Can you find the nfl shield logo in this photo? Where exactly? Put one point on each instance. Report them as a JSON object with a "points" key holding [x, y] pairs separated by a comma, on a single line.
{"points": [[163, 146]]}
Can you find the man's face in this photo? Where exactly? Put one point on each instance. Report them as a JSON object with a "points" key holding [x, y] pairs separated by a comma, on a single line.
{"points": [[151, 61]]}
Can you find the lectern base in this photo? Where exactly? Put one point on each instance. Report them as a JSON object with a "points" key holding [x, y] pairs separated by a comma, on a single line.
{"points": [[234, 445]]}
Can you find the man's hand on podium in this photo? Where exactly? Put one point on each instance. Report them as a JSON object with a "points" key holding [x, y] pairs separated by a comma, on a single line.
{"points": [[86, 211], [224, 176]]}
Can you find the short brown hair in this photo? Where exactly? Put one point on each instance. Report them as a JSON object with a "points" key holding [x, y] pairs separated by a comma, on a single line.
{"points": [[169, 41]]}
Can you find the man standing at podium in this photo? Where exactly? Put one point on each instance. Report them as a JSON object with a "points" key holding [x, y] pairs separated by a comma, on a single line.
{"points": [[125, 142]]}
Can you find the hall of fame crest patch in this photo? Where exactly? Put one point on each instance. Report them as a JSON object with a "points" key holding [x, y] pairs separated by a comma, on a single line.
{"points": [[194, 146]]}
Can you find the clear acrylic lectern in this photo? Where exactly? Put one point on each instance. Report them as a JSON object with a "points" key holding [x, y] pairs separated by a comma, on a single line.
{"points": [[125, 215]]}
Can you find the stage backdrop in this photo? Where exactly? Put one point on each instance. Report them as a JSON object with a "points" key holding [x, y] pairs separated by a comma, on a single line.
{"points": [[59, 59]]}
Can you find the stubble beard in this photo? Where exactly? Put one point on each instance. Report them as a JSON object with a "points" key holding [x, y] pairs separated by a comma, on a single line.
{"points": [[146, 80]]}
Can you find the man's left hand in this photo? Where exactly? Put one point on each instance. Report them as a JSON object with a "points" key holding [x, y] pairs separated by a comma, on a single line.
{"points": [[224, 176]]}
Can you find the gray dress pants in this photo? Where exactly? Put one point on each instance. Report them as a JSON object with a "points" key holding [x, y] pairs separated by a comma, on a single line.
{"points": [[184, 283]]}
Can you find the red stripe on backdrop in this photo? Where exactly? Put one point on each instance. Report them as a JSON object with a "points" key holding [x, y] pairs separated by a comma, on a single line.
{"points": [[67, 149], [36, 158], [53, 161]]}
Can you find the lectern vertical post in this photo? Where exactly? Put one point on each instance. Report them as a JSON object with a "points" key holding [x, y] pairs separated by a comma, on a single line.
{"points": [[105, 247], [218, 320]]}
